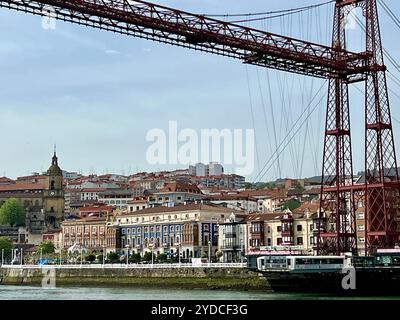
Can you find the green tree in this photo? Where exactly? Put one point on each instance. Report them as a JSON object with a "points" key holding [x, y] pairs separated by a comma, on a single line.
{"points": [[113, 257], [12, 213], [46, 247], [135, 258], [291, 204], [162, 257], [90, 258], [148, 256], [6, 245]]}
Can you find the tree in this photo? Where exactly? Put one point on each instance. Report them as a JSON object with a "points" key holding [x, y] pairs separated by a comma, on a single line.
{"points": [[6, 245], [135, 258], [90, 258], [12, 213], [113, 257], [46, 247], [148, 256], [291, 204], [162, 257]]}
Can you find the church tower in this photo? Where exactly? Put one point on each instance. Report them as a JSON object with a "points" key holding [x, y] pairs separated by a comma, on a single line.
{"points": [[53, 196]]}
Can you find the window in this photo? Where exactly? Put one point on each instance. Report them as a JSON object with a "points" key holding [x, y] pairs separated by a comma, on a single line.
{"points": [[299, 227], [123, 231], [279, 229], [206, 227], [165, 229], [137, 208], [128, 231], [279, 241], [299, 241], [179, 198]]}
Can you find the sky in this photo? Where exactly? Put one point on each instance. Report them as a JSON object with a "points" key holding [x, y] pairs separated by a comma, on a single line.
{"points": [[97, 94]]}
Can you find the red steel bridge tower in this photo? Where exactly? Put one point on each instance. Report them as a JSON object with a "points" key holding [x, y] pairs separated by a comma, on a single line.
{"points": [[340, 195], [379, 192]]}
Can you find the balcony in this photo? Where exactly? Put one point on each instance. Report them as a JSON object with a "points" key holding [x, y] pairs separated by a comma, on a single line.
{"points": [[230, 235], [233, 247], [287, 233]]}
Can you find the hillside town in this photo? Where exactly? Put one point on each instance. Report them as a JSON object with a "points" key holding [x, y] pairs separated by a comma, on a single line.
{"points": [[199, 212]]}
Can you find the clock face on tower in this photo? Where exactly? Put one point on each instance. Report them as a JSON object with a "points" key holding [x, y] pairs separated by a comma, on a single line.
{"points": [[52, 193]]}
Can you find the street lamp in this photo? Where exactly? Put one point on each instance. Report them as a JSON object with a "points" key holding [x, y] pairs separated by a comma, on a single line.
{"points": [[152, 253], [127, 255], [21, 253], [209, 251], [178, 245], [104, 255], [41, 255], [242, 251]]}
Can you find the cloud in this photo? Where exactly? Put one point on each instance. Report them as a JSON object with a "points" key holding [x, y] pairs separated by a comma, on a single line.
{"points": [[110, 51]]}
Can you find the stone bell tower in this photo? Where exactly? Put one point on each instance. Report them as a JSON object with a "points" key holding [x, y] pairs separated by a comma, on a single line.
{"points": [[53, 196]]}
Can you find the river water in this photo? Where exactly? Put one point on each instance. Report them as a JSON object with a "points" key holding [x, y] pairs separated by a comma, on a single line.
{"points": [[137, 293]]}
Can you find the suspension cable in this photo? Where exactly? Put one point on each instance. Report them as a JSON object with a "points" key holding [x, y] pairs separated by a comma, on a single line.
{"points": [[390, 13], [284, 143], [269, 14]]}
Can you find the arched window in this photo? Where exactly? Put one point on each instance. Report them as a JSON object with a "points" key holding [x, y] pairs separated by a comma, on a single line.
{"points": [[52, 185]]}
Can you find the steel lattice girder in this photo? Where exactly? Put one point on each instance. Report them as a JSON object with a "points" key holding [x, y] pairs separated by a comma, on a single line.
{"points": [[159, 23]]}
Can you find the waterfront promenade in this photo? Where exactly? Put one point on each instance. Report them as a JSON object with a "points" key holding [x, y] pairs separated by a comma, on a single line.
{"points": [[199, 276]]}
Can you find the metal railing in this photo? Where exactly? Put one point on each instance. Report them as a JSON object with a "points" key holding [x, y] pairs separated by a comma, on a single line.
{"points": [[129, 266]]}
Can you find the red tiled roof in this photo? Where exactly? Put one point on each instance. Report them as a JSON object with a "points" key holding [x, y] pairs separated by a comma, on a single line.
{"points": [[86, 219], [231, 197], [6, 180], [180, 187], [22, 187], [253, 217], [311, 206], [93, 189]]}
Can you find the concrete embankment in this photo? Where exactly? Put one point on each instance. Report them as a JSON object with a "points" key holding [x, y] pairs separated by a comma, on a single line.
{"points": [[205, 278]]}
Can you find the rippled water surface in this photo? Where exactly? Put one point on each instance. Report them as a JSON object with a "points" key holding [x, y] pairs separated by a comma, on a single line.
{"points": [[137, 293]]}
